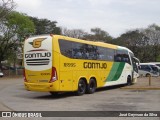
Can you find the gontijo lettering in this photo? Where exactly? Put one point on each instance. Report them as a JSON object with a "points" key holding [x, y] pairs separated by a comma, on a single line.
{"points": [[94, 65], [38, 55]]}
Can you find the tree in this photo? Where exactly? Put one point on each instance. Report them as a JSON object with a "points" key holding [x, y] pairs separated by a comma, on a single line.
{"points": [[145, 43], [153, 35], [136, 41], [98, 35], [14, 29], [21, 25], [75, 33], [6, 6], [45, 26]]}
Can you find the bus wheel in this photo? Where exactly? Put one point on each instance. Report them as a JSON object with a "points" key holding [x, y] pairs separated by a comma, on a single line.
{"points": [[129, 80], [81, 87], [91, 88]]}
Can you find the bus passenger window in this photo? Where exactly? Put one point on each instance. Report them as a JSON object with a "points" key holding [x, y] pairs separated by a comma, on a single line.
{"points": [[65, 48]]}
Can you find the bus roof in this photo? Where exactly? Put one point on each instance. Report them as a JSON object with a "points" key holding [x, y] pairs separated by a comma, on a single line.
{"points": [[97, 43]]}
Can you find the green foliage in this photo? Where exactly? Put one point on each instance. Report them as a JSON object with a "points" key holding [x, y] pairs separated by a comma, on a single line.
{"points": [[20, 24], [45, 26], [145, 43], [13, 30]]}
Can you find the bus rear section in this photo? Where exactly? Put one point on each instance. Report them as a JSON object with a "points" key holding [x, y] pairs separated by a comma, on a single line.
{"points": [[39, 73]]}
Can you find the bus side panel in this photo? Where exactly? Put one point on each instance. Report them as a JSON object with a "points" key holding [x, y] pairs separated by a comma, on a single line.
{"points": [[99, 74], [85, 74], [66, 80], [65, 73], [118, 74], [77, 74], [104, 74]]}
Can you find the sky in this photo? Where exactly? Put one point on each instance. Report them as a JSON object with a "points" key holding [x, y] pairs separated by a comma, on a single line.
{"points": [[114, 16]]}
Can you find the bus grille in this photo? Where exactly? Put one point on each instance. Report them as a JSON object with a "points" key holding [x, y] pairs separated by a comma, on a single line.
{"points": [[37, 62]]}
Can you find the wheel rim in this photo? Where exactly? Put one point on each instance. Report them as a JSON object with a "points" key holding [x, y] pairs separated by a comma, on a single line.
{"points": [[81, 87], [92, 86]]}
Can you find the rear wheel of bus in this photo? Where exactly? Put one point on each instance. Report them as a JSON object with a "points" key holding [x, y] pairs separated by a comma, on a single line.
{"points": [[91, 87], [81, 87]]}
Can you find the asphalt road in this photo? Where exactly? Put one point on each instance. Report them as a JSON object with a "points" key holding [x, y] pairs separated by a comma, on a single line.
{"points": [[13, 97]]}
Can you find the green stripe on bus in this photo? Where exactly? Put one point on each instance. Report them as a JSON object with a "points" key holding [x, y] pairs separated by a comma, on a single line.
{"points": [[112, 71], [119, 71], [116, 71]]}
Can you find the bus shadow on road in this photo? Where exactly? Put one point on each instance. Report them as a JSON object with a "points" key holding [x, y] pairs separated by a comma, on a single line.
{"points": [[109, 88], [58, 96], [73, 94]]}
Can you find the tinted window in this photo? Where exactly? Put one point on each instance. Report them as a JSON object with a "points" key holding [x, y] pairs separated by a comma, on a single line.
{"points": [[121, 56], [66, 48], [154, 68], [158, 65], [105, 54], [85, 51], [145, 68]]}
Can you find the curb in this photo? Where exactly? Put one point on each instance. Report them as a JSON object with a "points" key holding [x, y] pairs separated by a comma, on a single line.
{"points": [[141, 88]]}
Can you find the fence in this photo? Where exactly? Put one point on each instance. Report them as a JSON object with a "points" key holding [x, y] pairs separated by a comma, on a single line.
{"points": [[12, 72]]}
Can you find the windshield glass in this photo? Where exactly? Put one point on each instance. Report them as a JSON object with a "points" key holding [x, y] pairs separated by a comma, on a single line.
{"points": [[135, 62], [135, 66]]}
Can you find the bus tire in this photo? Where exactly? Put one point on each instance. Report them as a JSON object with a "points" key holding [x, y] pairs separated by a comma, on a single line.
{"points": [[91, 87], [129, 80], [81, 87]]}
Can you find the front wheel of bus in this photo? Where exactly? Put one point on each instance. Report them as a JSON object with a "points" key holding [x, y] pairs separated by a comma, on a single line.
{"points": [[91, 88], [81, 87], [129, 80]]}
